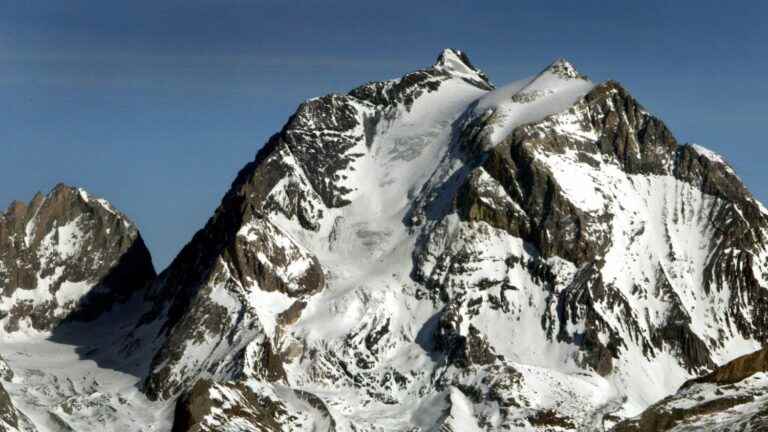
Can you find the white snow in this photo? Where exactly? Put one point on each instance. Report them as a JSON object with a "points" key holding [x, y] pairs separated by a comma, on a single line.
{"points": [[709, 154], [461, 417], [83, 194], [68, 239], [529, 100]]}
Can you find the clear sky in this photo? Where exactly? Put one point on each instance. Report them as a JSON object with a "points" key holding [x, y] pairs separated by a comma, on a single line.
{"points": [[155, 105]]}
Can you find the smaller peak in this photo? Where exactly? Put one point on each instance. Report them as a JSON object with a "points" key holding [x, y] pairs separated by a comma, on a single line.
{"points": [[83, 194], [452, 59], [62, 191], [38, 198], [17, 208], [62, 187], [564, 69], [707, 153], [456, 62]]}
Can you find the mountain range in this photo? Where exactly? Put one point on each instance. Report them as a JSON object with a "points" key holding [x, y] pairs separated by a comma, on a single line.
{"points": [[428, 253]]}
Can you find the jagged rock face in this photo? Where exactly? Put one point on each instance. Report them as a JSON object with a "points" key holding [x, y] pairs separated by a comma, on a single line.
{"points": [[732, 397], [628, 244], [736, 370], [433, 252], [67, 255]]}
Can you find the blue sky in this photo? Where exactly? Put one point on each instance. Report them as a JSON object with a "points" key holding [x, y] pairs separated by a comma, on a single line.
{"points": [[157, 106]]}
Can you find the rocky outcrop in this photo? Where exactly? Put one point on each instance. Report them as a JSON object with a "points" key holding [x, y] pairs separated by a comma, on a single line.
{"points": [[731, 397], [67, 255], [736, 370], [9, 419], [406, 90], [210, 407], [430, 251]]}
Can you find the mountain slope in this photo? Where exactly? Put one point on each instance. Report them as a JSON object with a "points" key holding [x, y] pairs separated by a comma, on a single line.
{"points": [[433, 252]]}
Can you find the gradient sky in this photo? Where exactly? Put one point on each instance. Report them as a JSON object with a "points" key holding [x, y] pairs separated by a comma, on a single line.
{"points": [[155, 105]]}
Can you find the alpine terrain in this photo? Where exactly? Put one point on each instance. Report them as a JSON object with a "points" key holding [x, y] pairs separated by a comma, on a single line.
{"points": [[429, 253]]}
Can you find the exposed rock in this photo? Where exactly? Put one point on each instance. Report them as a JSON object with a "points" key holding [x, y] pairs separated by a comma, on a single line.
{"points": [[300, 174], [209, 407], [236, 406], [6, 373], [9, 420]]}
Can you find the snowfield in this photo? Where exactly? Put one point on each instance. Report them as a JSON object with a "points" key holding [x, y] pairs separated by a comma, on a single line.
{"points": [[78, 378]]}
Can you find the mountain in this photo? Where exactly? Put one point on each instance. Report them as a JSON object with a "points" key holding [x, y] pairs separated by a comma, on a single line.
{"points": [[429, 253], [433, 251], [66, 254]]}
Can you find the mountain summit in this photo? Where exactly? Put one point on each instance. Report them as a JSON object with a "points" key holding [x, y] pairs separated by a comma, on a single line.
{"points": [[66, 254], [437, 253], [457, 63]]}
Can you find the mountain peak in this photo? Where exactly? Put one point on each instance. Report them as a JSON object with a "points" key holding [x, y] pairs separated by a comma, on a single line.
{"points": [[453, 59], [564, 69], [456, 62]]}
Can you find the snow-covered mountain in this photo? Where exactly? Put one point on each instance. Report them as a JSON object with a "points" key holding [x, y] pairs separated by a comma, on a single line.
{"points": [[434, 253], [66, 254]]}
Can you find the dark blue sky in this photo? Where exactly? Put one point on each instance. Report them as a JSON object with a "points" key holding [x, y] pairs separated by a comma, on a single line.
{"points": [[157, 106]]}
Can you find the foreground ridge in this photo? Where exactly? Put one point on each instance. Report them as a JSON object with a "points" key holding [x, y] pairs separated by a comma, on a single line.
{"points": [[732, 397], [462, 256]]}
